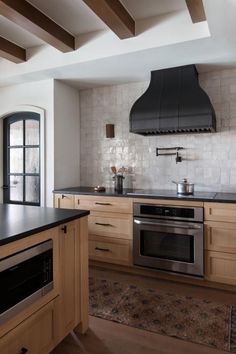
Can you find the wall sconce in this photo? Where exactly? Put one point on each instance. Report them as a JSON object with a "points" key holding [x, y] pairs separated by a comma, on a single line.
{"points": [[110, 130]]}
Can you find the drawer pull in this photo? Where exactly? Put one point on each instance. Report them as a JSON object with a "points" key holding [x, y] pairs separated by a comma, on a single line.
{"points": [[101, 224], [102, 249], [98, 203], [63, 196], [23, 351]]}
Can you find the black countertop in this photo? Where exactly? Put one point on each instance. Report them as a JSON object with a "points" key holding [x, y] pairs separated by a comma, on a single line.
{"points": [[18, 221], [153, 194]]}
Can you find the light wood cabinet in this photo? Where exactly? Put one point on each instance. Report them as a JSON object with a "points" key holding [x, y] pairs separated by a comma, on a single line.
{"points": [[64, 201], [41, 326], [113, 225], [220, 242], [67, 274], [220, 212], [73, 302], [220, 236], [105, 204], [36, 335], [115, 251], [110, 226], [220, 267]]}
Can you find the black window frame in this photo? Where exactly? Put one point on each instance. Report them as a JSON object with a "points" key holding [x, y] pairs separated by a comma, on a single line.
{"points": [[16, 117]]}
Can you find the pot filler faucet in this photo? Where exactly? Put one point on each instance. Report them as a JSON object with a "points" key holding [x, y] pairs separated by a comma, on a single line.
{"points": [[178, 158]]}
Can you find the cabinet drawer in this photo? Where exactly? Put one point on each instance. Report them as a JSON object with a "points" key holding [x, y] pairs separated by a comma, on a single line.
{"points": [[112, 251], [111, 225], [220, 267], [220, 236], [109, 204], [220, 212], [36, 334], [64, 201]]}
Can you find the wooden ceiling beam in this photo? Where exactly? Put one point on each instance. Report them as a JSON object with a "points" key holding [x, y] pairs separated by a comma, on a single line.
{"points": [[31, 19], [114, 15], [11, 51], [196, 10]]}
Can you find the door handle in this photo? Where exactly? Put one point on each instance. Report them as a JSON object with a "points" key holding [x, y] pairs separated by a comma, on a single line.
{"points": [[153, 223], [64, 229], [5, 187]]}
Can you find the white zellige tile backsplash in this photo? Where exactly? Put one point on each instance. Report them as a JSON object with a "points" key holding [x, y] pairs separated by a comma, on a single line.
{"points": [[209, 160]]}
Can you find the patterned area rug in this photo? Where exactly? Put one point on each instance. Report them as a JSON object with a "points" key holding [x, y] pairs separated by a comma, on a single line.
{"points": [[184, 317]]}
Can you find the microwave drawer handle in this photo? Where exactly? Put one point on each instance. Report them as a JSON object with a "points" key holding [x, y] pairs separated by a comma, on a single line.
{"points": [[139, 222], [102, 249], [99, 203]]}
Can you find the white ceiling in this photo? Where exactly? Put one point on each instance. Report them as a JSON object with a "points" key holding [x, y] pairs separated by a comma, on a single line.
{"points": [[141, 9], [77, 18], [166, 38]]}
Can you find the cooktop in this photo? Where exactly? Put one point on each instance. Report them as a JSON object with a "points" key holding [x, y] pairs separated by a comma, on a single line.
{"points": [[171, 194]]}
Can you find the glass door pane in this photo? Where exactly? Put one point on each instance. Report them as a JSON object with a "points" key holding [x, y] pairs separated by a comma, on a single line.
{"points": [[32, 187], [31, 132], [16, 188], [22, 158], [16, 133], [178, 247], [16, 160], [31, 160]]}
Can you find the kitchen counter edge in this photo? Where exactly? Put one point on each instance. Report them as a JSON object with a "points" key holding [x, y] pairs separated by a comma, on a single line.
{"points": [[218, 198]]}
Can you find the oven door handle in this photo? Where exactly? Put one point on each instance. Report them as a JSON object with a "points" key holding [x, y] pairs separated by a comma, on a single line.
{"points": [[189, 227]]}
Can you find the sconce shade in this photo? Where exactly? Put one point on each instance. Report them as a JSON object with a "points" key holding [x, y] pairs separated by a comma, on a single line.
{"points": [[110, 130]]}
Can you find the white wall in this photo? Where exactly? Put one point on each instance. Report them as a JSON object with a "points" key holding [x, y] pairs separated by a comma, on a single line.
{"points": [[209, 159], [66, 136], [38, 94], [61, 105]]}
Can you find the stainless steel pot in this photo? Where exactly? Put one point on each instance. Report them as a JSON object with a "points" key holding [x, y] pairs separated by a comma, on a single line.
{"points": [[184, 187]]}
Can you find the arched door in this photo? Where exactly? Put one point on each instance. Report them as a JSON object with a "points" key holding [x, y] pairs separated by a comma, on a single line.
{"points": [[21, 160]]}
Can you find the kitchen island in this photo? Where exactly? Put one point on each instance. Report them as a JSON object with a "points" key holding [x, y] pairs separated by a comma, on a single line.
{"points": [[44, 277]]}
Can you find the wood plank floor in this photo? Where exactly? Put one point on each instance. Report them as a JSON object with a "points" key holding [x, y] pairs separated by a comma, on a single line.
{"points": [[105, 337]]}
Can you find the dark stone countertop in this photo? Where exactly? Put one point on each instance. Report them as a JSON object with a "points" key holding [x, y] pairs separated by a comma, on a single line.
{"points": [[18, 221], [152, 194]]}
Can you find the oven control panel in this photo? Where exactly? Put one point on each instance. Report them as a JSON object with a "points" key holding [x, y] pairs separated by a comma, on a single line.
{"points": [[169, 212]]}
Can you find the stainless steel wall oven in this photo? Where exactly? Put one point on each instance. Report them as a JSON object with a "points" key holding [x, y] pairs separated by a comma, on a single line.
{"points": [[25, 277], [169, 238]]}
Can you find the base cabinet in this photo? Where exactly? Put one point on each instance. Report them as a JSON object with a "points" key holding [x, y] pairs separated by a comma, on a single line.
{"points": [[36, 335], [43, 326], [221, 267]]}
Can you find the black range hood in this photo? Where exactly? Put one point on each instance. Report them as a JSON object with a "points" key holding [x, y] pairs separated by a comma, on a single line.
{"points": [[173, 103]]}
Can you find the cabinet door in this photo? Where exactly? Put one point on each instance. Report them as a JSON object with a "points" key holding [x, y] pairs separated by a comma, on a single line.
{"points": [[220, 267], [105, 204], [110, 250], [113, 225], [220, 236], [220, 212], [64, 201], [67, 274], [34, 335]]}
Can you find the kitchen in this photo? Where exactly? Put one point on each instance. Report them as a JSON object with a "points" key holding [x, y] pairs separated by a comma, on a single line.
{"points": [[87, 102]]}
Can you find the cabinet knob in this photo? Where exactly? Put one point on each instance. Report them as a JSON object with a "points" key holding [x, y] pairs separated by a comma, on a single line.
{"points": [[63, 196], [23, 351], [64, 229]]}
